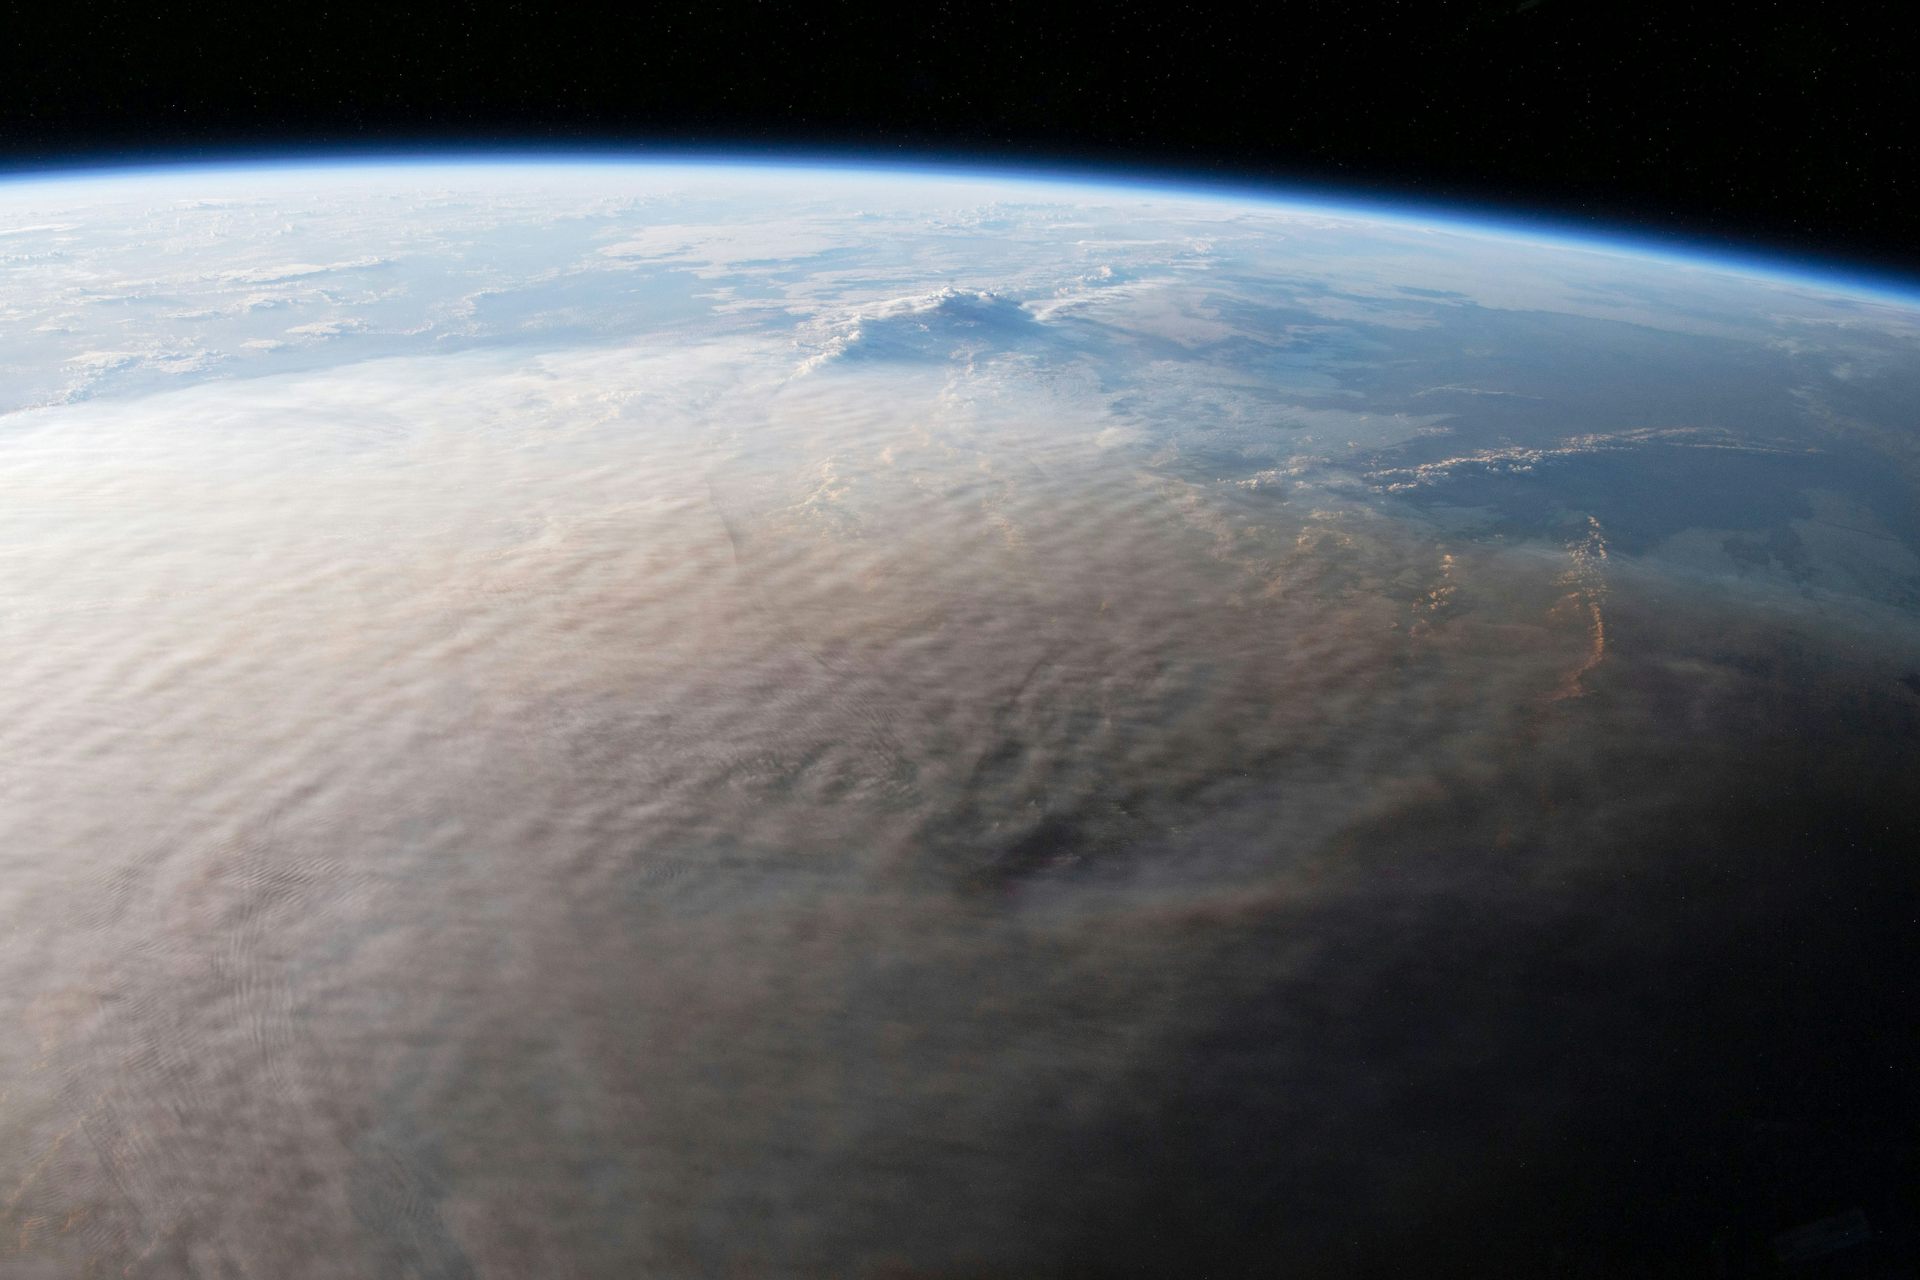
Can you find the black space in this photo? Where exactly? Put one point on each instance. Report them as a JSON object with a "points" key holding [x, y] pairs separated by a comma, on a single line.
{"points": [[1772, 127]]}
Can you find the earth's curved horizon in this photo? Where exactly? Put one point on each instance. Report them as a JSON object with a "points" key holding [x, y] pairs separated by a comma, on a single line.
{"points": [[1728, 252], [617, 718]]}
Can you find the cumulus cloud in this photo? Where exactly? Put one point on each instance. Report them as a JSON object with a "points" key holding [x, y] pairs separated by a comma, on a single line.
{"points": [[1522, 459], [328, 328], [281, 273], [947, 324]]}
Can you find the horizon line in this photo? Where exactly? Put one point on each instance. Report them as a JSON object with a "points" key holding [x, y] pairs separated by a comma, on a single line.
{"points": [[1505, 220]]}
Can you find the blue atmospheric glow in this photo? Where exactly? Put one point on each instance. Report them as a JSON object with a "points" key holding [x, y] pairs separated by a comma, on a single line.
{"points": [[1679, 250]]}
